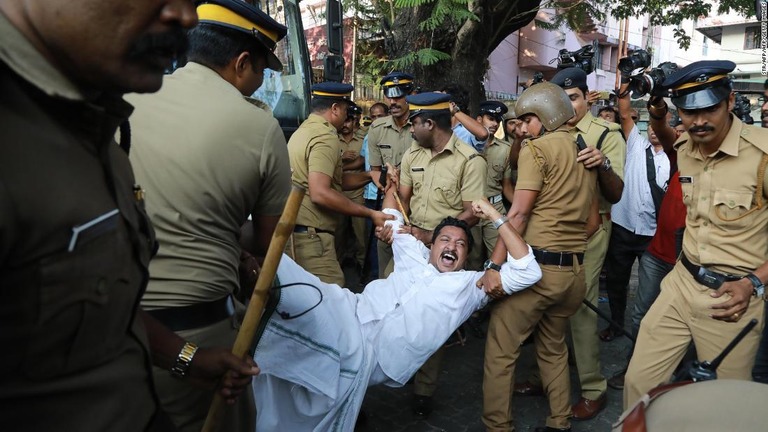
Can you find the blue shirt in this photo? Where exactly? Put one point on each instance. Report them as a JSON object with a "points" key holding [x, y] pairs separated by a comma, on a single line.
{"points": [[465, 135], [370, 189]]}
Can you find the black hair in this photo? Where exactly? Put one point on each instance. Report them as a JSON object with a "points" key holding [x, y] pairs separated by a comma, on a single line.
{"points": [[380, 105], [452, 221], [459, 96], [216, 46], [442, 119]]}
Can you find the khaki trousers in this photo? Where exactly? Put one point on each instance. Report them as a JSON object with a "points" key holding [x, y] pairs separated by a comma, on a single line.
{"points": [[678, 316], [349, 226], [545, 308], [316, 253], [187, 405], [586, 345], [386, 260]]}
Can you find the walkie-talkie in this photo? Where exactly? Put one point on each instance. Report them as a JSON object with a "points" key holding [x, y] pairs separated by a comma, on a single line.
{"points": [[580, 144], [383, 177], [707, 371]]}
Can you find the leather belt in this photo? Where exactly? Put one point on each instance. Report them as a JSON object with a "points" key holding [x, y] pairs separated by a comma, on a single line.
{"points": [[562, 259], [193, 316], [706, 277], [306, 229], [494, 199]]}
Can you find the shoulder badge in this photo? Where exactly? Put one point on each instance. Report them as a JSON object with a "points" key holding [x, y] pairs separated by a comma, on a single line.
{"points": [[756, 136]]}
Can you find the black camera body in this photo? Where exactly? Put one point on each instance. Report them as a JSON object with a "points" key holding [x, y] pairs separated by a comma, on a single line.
{"points": [[742, 109], [583, 58], [538, 77], [641, 82]]}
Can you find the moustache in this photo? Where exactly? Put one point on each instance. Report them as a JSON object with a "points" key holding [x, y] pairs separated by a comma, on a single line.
{"points": [[696, 129], [174, 41]]}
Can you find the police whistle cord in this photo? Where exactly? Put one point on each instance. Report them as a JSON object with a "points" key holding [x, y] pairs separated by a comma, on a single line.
{"points": [[613, 323], [258, 300], [707, 371]]}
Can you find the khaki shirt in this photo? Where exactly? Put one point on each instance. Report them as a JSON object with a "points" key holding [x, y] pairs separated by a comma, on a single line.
{"points": [[442, 183], [355, 145], [314, 147], [387, 142], [566, 189], [496, 155], [724, 230], [207, 158], [613, 147]]}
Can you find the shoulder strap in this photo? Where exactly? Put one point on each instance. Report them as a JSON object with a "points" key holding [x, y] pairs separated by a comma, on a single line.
{"points": [[657, 193], [602, 138]]}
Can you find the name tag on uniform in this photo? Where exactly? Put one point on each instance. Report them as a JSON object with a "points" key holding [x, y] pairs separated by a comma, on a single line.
{"points": [[686, 180], [384, 146], [417, 169]]}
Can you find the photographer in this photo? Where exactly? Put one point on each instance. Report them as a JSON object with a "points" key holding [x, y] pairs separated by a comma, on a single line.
{"points": [[646, 173]]}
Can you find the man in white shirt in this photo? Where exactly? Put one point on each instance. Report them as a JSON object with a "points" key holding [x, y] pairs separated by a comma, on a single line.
{"points": [[324, 345], [646, 173]]}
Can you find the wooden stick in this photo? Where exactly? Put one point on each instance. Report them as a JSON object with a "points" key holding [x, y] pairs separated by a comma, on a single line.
{"points": [[255, 309], [400, 207]]}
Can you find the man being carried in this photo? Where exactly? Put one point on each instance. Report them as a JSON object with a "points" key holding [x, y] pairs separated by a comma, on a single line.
{"points": [[339, 343]]}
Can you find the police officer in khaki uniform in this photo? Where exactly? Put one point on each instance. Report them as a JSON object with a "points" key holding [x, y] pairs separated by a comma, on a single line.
{"points": [[718, 282], [316, 164], [550, 209], [227, 160], [388, 139], [605, 137], [498, 184], [349, 227], [440, 177]]}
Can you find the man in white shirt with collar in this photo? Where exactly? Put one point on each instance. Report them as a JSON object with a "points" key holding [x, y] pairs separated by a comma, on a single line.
{"points": [[646, 173], [325, 345]]}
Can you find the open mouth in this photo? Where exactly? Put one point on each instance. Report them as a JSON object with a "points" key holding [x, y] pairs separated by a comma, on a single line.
{"points": [[448, 258]]}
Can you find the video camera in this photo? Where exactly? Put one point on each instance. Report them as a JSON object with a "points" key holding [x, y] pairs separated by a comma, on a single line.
{"points": [[538, 77], [583, 58], [742, 109], [641, 82]]}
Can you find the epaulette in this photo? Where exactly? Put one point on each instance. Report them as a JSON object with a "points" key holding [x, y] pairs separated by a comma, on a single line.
{"points": [[502, 142], [613, 126], [756, 136], [379, 121], [467, 150], [682, 139]]}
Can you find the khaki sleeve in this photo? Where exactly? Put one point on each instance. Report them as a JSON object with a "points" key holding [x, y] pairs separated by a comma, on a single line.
{"points": [[473, 181], [275, 173], [324, 155], [405, 170], [530, 170], [615, 149], [374, 152]]}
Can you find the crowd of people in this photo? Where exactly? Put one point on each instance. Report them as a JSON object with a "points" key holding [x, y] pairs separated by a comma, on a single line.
{"points": [[128, 248]]}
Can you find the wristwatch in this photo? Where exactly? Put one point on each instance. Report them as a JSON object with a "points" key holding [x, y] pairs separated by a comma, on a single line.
{"points": [[490, 265], [180, 368], [759, 289], [606, 165]]}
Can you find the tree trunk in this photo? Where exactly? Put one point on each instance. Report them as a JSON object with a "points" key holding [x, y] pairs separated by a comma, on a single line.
{"points": [[469, 43]]}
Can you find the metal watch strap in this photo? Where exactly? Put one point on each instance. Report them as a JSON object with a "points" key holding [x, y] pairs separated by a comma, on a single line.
{"points": [[180, 368], [499, 222], [759, 287], [606, 165]]}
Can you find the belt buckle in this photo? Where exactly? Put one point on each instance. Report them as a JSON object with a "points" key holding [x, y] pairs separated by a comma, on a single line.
{"points": [[709, 278], [560, 264]]}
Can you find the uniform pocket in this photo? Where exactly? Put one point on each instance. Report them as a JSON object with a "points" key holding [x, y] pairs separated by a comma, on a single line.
{"points": [[733, 208], [85, 306], [446, 190]]}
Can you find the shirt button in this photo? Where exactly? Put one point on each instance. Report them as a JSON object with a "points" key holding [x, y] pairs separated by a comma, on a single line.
{"points": [[703, 198], [706, 223], [101, 287], [706, 169], [731, 203]]}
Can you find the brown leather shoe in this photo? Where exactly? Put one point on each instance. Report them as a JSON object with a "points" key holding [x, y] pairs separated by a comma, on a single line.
{"points": [[528, 389], [586, 409]]}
